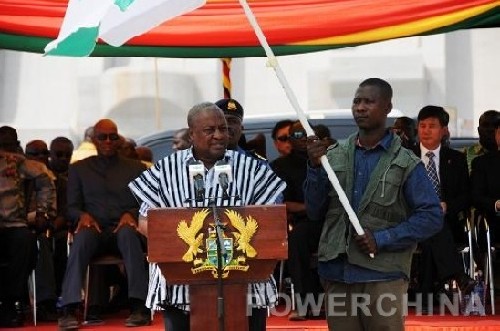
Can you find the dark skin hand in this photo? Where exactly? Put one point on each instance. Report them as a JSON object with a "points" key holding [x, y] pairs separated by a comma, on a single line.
{"points": [[317, 148], [59, 223], [366, 242], [126, 220], [41, 222], [87, 221]]}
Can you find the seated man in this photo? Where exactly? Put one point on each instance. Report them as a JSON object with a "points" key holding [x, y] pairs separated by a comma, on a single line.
{"points": [[486, 136], [104, 214], [485, 176], [61, 150], [447, 170]]}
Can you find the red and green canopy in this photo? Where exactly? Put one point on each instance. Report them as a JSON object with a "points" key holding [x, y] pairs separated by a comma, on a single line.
{"points": [[220, 28]]}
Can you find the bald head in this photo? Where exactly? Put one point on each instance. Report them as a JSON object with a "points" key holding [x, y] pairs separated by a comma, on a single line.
{"points": [[105, 124], [106, 138]]}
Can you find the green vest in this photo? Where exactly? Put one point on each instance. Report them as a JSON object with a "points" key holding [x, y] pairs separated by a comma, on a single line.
{"points": [[382, 206]]}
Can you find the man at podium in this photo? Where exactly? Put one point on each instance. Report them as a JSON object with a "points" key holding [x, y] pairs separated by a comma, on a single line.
{"points": [[172, 183]]}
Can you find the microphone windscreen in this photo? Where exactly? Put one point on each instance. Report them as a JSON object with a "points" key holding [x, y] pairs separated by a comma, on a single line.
{"points": [[196, 169], [222, 167]]}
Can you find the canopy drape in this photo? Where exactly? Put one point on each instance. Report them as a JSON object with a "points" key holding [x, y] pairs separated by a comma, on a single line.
{"points": [[220, 28]]}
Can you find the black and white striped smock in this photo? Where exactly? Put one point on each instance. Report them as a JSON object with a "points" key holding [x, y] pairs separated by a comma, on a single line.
{"points": [[167, 184]]}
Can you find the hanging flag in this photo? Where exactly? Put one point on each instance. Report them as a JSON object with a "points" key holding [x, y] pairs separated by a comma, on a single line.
{"points": [[220, 29], [113, 21]]}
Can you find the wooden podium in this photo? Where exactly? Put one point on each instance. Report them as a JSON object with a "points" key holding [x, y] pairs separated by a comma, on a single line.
{"points": [[167, 248]]}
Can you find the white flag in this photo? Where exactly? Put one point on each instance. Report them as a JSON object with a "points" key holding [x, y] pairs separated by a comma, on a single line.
{"points": [[114, 21]]}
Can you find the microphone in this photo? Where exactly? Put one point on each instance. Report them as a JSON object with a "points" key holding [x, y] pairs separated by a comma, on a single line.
{"points": [[197, 177], [224, 175]]}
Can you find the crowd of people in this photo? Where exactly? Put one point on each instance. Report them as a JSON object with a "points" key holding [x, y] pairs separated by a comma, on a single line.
{"points": [[407, 187]]}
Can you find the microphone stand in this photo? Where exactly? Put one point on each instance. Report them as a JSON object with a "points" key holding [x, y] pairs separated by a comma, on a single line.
{"points": [[221, 253], [221, 250]]}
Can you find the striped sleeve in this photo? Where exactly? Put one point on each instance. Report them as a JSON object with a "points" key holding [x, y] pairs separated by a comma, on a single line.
{"points": [[257, 182], [166, 184], [146, 188], [263, 294]]}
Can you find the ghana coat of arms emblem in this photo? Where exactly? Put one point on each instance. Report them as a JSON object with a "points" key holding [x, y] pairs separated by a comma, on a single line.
{"points": [[202, 245]]}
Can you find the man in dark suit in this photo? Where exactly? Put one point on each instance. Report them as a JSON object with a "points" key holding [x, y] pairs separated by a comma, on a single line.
{"points": [[447, 170], [104, 214], [485, 176]]}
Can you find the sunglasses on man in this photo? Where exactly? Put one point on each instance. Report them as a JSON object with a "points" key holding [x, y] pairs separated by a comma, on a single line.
{"points": [[282, 138], [63, 154], [106, 136], [43, 152], [298, 135]]}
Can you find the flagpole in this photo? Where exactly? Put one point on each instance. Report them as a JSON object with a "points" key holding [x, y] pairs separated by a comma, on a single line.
{"points": [[226, 78], [157, 96], [272, 61]]}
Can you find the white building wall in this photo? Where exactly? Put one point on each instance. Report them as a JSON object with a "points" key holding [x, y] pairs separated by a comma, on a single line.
{"points": [[472, 76], [486, 50]]}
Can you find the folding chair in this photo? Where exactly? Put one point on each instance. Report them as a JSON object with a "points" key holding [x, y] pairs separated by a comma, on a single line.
{"points": [[488, 273], [108, 259], [32, 287], [468, 251], [282, 285], [467, 254]]}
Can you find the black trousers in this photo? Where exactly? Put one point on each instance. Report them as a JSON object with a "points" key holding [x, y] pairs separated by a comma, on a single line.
{"points": [[60, 256], [440, 260], [44, 271], [88, 243], [303, 242], [18, 253]]}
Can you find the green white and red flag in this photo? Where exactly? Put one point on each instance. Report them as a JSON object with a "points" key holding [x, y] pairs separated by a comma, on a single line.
{"points": [[220, 29]]}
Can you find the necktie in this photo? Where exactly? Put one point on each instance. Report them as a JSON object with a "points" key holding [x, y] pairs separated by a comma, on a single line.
{"points": [[432, 173]]}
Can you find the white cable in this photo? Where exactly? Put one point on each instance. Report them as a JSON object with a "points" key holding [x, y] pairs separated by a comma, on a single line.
{"points": [[272, 61]]}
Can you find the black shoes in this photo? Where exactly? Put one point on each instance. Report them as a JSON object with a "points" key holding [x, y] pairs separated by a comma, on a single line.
{"points": [[465, 283], [94, 316], [141, 316], [68, 321], [11, 315], [46, 311], [296, 316]]}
